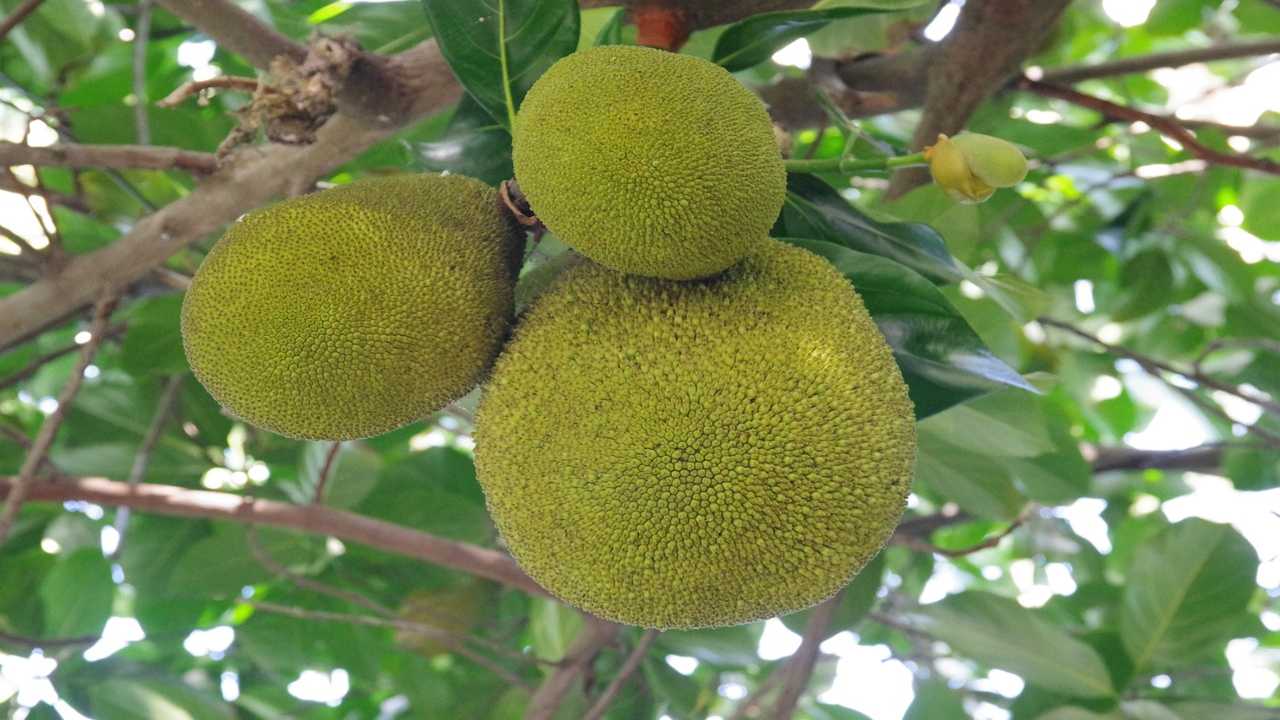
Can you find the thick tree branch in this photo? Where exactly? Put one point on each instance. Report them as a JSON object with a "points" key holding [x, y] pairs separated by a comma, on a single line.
{"points": [[1166, 126], [236, 30], [108, 156], [255, 176], [1143, 63], [181, 502], [799, 668], [628, 668], [39, 449], [19, 14], [595, 634], [988, 44]]}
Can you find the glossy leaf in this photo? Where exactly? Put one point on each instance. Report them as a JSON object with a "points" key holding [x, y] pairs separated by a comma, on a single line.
{"points": [[752, 41], [474, 144], [814, 210], [77, 594], [498, 49]]}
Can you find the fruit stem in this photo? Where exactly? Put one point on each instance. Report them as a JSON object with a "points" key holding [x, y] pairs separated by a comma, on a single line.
{"points": [[851, 166]]}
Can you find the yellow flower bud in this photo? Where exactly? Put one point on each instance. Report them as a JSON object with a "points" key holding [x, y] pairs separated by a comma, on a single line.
{"points": [[970, 166]]}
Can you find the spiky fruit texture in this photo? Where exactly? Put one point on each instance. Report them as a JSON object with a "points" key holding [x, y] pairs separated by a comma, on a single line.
{"points": [[680, 455], [355, 310], [649, 162]]}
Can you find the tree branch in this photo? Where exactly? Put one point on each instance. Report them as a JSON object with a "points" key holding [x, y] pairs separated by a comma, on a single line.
{"points": [[19, 14], [108, 156], [1143, 63], [325, 469], [632, 662], [595, 634], [1166, 126], [255, 176], [236, 30], [21, 485], [800, 667], [1204, 457], [181, 502]]}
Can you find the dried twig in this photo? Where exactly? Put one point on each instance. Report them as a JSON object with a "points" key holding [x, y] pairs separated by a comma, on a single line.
{"points": [[228, 82], [49, 428], [1165, 125], [629, 666]]}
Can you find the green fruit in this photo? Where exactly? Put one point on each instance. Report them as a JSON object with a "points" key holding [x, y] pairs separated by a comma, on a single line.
{"points": [[353, 311], [681, 455], [649, 162]]}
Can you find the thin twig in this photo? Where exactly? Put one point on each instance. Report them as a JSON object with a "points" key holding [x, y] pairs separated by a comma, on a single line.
{"points": [[108, 156], [325, 469], [229, 82], [1150, 362], [37, 642], [17, 16], [142, 458], [1165, 125], [799, 668], [921, 545], [317, 519], [1267, 344], [595, 634], [141, 38], [632, 662], [754, 700], [1177, 58], [442, 636], [49, 428], [34, 366]]}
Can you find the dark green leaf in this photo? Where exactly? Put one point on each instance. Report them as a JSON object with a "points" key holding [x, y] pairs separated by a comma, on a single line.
{"points": [[153, 342], [814, 210], [498, 50], [128, 698], [856, 600], [473, 145], [935, 701], [752, 41]]}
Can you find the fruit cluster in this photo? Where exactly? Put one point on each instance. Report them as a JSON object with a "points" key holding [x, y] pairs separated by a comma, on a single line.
{"points": [[694, 425]]}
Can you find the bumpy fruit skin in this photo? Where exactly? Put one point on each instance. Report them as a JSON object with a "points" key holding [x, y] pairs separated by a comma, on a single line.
{"points": [[679, 455], [355, 310], [649, 162]]}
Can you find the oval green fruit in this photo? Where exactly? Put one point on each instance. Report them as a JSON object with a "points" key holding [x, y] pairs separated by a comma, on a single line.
{"points": [[352, 311], [649, 162], [676, 455]]}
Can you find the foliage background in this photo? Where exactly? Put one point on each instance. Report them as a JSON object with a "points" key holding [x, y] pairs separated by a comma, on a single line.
{"points": [[1094, 530]]}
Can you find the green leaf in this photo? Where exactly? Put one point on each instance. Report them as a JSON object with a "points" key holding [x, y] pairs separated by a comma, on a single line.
{"points": [[1146, 710], [935, 701], [224, 562], [435, 491], [727, 647], [352, 476], [499, 48], [1146, 284], [942, 359], [614, 31], [1186, 592], [153, 342], [1222, 711], [127, 698], [1075, 713], [753, 40], [999, 632], [553, 626], [474, 144], [977, 482], [77, 594], [816, 211]]}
